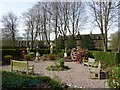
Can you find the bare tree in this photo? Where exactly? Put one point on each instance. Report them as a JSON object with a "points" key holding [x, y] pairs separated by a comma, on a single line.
{"points": [[103, 16], [54, 13], [76, 17], [10, 26], [63, 20], [37, 21], [53, 17], [29, 18]]}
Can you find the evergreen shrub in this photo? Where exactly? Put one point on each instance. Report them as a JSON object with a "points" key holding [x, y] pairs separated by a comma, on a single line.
{"points": [[114, 77], [32, 54], [12, 80], [28, 57], [61, 62], [7, 59], [108, 58], [52, 56]]}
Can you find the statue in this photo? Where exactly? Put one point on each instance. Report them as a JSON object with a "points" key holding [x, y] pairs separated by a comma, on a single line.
{"points": [[37, 56], [65, 53], [51, 48], [28, 50], [23, 54]]}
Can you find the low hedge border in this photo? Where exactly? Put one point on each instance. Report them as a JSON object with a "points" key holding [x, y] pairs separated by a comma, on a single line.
{"points": [[108, 58], [15, 80]]}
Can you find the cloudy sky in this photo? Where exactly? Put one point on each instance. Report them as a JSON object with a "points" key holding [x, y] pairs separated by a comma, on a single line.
{"points": [[17, 7], [20, 6]]}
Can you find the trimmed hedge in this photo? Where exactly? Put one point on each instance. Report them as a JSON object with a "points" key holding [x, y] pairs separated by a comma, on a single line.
{"points": [[109, 58], [13, 52], [13, 80], [7, 59], [17, 52], [56, 51], [117, 59]]}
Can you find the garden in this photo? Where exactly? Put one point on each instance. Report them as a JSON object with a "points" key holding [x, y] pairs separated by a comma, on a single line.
{"points": [[110, 64], [37, 42]]}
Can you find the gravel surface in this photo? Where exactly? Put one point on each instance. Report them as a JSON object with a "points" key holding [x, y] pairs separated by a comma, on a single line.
{"points": [[77, 76]]}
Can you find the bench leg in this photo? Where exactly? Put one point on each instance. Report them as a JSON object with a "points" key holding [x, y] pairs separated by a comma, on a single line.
{"points": [[99, 75]]}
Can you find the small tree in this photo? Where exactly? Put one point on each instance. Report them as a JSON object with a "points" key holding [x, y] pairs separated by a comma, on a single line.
{"points": [[71, 42], [87, 42], [60, 43]]}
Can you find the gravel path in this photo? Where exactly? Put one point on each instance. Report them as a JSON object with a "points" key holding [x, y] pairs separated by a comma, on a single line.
{"points": [[78, 76]]}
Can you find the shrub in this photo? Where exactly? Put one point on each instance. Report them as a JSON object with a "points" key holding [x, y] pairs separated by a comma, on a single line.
{"points": [[55, 82], [44, 51], [14, 80], [87, 42], [52, 56], [107, 57], [60, 55], [59, 65], [32, 54], [117, 59], [56, 51], [90, 55], [68, 52], [17, 52], [61, 62], [114, 77], [13, 52], [28, 57], [71, 42], [7, 59]]}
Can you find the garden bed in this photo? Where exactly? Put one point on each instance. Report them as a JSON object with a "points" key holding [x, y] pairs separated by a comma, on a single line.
{"points": [[14, 80]]}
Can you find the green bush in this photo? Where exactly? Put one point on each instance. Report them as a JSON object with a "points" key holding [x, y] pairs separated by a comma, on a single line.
{"points": [[7, 59], [52, 56], [117, 59], [60, 55], [28, 57], [13, 80], [87, 42], [59, 65], [71, 42], [90, 55], [18, 52], [107, 58], [56, 51], [68, 52], [55, 83], [60, 43], [61, 62], [32, 54], [114, 77], [13, 52]]}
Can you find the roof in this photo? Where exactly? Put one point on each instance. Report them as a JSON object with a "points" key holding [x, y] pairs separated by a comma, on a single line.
{"points": [[93, 36]]}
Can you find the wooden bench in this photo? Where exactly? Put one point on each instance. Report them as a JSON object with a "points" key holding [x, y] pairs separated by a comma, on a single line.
{"points": [[89, 62], [94, 70], [22, 66]]}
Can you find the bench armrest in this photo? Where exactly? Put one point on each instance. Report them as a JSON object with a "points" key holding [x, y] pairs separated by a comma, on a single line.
{"points": [[84, 60]]}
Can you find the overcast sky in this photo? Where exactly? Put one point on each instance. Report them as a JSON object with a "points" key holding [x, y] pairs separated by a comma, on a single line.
{"points": [[20, 6]]}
